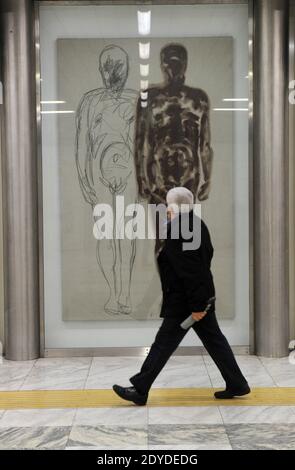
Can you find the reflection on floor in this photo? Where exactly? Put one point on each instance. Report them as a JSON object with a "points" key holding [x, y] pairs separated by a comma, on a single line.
{"points": [[114, 424]]}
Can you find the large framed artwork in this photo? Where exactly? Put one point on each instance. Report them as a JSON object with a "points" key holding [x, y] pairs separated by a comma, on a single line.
{"points": [[144, 122]]}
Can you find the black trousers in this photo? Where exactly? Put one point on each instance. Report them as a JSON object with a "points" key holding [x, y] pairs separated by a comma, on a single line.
{"points": [[168, 339]]}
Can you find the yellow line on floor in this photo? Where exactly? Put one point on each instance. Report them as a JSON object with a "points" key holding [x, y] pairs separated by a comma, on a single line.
{"points": [[158, 397]]}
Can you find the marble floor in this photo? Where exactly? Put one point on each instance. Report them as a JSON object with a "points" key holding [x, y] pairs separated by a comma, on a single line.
{"points": [[192, 427]]}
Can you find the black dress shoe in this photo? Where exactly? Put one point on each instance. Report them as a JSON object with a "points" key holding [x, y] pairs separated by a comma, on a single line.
{"points": [[130, 394], [231, 393]]}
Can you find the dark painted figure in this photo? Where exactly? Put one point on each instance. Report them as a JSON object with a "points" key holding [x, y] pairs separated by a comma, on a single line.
{"points": [[172, 141]]}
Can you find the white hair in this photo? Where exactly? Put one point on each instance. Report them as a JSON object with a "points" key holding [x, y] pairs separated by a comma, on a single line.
{"points": [[180, 199]]}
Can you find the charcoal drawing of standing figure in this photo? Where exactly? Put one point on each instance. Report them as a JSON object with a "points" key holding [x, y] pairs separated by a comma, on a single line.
{"points": [[173, 133], [105, 165]]}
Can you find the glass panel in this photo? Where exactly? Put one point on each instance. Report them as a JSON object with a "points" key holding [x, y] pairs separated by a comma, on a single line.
{"points": [[291, 165], [112, 124]]}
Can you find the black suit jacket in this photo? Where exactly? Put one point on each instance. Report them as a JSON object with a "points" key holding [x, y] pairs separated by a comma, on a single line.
{"points": [[186, 278]]}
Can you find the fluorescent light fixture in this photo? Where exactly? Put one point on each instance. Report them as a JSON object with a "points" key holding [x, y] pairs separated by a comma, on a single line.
{"points": [[235, 99], [57, 112], [230, 109], [143, 104], [144, 70], [52, 102], [144, 22], [144, 84], [144, 95], [144, 50]]}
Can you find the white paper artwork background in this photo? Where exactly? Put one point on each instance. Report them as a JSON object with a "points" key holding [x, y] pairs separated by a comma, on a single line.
{"points": [[85, 292]]}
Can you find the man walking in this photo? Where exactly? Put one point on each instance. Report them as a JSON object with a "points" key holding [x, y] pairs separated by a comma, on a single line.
{"points": [[187, 285]]}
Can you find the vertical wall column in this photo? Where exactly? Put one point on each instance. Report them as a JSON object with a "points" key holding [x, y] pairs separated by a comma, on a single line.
{"points": [[292, 171], [270, 166], [20, 182]]}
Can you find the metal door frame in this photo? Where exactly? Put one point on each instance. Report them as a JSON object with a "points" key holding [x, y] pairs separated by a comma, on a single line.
{"points": [[140, 351]]}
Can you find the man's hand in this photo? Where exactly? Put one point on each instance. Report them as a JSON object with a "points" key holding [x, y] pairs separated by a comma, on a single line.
{"points": [[198, 315]]}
